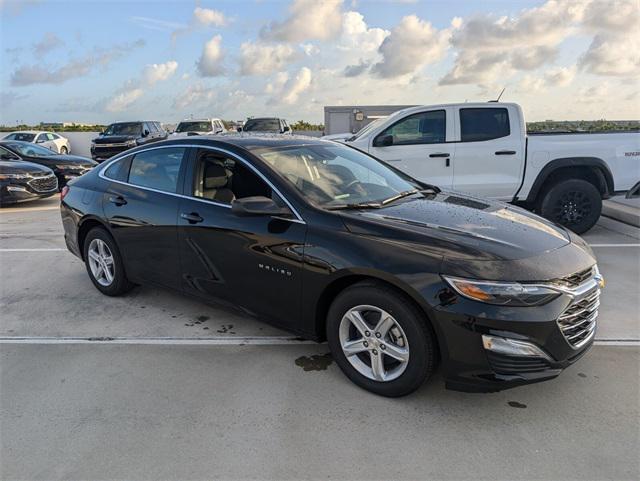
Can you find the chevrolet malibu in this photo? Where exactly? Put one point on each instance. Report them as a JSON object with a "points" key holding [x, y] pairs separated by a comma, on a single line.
{"points": [[332, 244]]}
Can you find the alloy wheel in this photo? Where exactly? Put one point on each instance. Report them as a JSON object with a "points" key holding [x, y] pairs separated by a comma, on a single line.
{"points": [[572, 208], [101, 262], [374, 343]]}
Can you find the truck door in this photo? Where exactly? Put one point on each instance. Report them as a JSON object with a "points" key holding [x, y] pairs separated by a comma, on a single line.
{"points": [[490, 153], [417, 144]]}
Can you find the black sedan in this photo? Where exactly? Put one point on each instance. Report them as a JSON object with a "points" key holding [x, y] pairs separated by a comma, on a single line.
{"points": [[24, 181], [66, 167], [331, 243]]}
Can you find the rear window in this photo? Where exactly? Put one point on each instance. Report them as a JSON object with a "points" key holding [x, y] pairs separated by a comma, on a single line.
{"points": [[262, 125], [484, 124], [157, 169], [20, 136]]}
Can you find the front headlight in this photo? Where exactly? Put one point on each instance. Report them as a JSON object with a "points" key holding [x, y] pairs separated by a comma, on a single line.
{"points": [[14, 176], [503, 293]]}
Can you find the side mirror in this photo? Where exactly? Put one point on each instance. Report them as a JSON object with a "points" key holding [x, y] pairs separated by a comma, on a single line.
{"points": [[286, 129], [239, 129], [383, 141], [258, 205], [40, 141], [145, 133]]}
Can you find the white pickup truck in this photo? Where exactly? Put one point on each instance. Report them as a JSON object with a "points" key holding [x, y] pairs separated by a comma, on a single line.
{"points": [[483, 149]]}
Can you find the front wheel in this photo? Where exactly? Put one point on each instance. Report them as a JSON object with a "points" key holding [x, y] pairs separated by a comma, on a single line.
{"points": [[380, 340], [574, 203], [64, 150]]}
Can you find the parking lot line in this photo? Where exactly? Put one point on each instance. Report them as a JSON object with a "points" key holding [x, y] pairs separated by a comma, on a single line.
{"points": [[214, 341], [52, 249], [614, 245]]}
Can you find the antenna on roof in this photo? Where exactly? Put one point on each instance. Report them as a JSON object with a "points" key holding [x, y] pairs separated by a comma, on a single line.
{"points": [[499, 96]]}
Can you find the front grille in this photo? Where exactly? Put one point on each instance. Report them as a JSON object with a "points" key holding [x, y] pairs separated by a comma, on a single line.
{"points": [[44, 184], [578, 321], [109, 149], [578, 278]]}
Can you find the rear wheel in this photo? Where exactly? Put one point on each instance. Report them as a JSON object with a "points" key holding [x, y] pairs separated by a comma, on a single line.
{"points": [[574, 203], [380, 340], [64, 150], [104, 263]]}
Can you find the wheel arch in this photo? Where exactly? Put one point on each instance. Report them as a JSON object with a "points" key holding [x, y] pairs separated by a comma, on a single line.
{"points": [[592, 169], [85, 225], [347, 279]]}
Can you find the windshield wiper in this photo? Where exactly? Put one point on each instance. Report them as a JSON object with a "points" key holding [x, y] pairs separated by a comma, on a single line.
{"points": [[406, 193], [356, 205]]}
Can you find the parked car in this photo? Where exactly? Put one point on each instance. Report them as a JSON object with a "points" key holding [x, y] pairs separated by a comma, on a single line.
{"points": [[199, 127], [52, 141], [271, 125], [24, 181], [65, 167], [483, 149], [331, 243], [121, 136]]}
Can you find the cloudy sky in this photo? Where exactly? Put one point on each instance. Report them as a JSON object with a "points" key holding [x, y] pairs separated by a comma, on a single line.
{"points": [[90, 61]]}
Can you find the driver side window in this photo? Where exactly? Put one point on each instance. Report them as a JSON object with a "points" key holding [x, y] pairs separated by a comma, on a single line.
{"points": [[420, 128]]}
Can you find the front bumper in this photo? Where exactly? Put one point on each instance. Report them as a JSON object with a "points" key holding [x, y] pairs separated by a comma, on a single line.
{"points": [[14, 193], [472, 363]]}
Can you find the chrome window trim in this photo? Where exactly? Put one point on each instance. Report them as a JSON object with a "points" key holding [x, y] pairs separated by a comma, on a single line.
{"points": [[298, 220]]}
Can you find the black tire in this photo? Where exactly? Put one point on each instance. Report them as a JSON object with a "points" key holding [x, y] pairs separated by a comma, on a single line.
{"points": [[574, 203], [120, 284], [63, 150], [421, 339]]}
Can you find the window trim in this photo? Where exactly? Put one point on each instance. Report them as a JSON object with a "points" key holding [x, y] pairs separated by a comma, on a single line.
{"points": [[414, 143], [298, 219], [484, 108]]}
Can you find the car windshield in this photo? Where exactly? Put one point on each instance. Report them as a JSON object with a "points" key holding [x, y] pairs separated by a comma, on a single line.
{"points": [[367, 128], [335, 176], [128, 128], [30, 150], [25, 137], [194, 127], [262, 125]]}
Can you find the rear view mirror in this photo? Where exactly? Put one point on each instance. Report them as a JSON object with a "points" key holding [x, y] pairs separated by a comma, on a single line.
{"points": [[383, 141], [257, 205]]}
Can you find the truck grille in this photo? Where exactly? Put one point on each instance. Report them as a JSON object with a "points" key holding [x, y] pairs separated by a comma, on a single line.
{"points": [[578, 321], [44, 184]]}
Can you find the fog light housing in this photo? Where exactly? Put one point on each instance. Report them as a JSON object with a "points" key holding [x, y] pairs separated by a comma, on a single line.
{"points": [[16, 188], [511, 347]]}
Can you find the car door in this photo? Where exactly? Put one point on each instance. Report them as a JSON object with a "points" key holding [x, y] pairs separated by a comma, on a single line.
{"points": [[44, 141], [490, 154], [141, 205], [417, 144], [252, 262]]}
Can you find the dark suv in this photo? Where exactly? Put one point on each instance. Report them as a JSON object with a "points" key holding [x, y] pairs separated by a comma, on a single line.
{"points": [[271, 125], [121, 136]]}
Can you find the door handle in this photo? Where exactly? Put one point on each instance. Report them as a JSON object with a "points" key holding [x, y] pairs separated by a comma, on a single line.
{"points": [[506, 152], [117, 200], [192, 218], [440, 154]]}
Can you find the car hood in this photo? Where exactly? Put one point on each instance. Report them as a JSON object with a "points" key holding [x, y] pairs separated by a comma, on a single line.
{"points": [[113, 139], [191, 132], [63, 160], [338, 137], [457, 226], [20, 167]]}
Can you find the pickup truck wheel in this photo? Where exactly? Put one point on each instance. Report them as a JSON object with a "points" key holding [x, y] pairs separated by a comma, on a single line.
{"points": [[574, 203], [380, 340]]}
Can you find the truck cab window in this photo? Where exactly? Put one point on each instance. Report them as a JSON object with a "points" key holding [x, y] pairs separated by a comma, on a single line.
{"points": [[420, 128], [484, 124]]}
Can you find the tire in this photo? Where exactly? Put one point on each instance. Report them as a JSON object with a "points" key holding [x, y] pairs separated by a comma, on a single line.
{"points": [[64, 150], [574, 203], [119, 284], [410, 335]]}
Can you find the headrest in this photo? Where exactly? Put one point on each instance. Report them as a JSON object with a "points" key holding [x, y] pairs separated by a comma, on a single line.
{"points": [[215, 176]]}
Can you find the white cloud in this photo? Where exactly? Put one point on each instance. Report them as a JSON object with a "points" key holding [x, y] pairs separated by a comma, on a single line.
{"points": [[74, 68], [412, 44], [50, 41], [309, 49], [159, 71], [210, 63], [308, 20], [264, 59], [196, 94], [156, 24], [560, 76], [357, 35], [123, 100], [208, 17], [286, 90]]}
